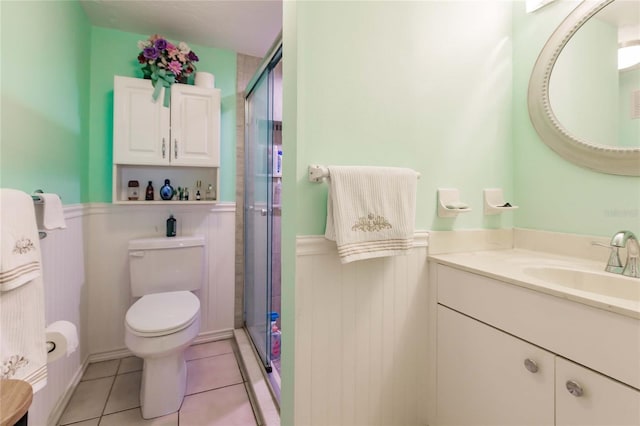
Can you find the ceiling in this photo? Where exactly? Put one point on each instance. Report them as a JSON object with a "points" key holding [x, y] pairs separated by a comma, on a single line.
{"points": [[244, 26], [625, 15]]}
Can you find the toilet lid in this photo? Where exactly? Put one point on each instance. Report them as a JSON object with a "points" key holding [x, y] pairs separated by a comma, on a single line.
{"points": [[163, 313]]}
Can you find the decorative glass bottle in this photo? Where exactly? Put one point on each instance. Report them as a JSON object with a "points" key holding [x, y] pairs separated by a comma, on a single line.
{"points": [[149, 194], [166, 192]]}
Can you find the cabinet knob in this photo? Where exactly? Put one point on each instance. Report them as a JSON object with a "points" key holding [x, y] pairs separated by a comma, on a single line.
{"points": [[574, 388], [531, 365], [175, 148], [164, 148]]}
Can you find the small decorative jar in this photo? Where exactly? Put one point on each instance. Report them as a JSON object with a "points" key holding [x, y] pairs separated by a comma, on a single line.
{"points": [[133, 190]]}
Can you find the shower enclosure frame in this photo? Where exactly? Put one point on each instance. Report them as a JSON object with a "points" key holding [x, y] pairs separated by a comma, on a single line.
{"points": [[258, 209]]}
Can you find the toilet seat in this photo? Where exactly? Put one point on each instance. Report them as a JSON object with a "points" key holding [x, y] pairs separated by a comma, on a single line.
{"points": [[160, 314]]}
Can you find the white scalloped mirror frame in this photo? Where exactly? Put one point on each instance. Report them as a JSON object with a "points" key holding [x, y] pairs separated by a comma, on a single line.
{"points": [[601, 158]]}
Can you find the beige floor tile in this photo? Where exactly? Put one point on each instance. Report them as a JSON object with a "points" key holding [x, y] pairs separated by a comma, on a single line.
{"points": [[87, 401], [125, 393], [92, 422], [134, 418], [212, 373], [204, 350], [129, 364], [227, 406], [97, 370]]}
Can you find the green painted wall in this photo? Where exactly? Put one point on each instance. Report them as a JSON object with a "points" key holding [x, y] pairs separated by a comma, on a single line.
{"points": [[115, 53], [57, 100], [425, 85], [553, 194], [45, 97]]}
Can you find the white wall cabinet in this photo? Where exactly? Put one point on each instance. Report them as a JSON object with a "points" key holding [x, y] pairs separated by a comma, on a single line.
{"points": [[150, 141], [485, 334]]}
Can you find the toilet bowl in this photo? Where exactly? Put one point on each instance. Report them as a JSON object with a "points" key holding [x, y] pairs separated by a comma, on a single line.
{"points": [[165, 320], [159, 328]]}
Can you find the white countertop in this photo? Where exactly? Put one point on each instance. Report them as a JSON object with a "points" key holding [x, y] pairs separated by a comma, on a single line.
{"points": [[509, 266]]}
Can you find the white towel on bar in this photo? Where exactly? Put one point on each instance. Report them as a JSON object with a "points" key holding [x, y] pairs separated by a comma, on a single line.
{"points": [[23, 353], [49, 213], [371, 211], [19, 241]]}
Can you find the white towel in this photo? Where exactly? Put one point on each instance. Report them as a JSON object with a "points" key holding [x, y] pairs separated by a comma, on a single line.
{"points": [[371, 211], [49, 213], [23, 353], [19, 242]]}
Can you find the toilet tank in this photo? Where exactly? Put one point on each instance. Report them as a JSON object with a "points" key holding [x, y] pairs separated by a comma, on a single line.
{"points": [[166, 264]]}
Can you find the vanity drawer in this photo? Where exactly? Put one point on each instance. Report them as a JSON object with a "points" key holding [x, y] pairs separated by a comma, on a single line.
{"points": [[598, 339]]}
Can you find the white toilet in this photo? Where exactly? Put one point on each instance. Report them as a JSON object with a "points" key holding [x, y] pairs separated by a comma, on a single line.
{"points": [[166, 319]]}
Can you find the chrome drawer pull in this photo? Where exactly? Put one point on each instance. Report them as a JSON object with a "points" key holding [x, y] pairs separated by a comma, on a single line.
{"points": [[531, 365], [574, 388]]}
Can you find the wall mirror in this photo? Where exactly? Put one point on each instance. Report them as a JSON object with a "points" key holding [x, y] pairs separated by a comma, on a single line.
{"points": [[582, 106]]}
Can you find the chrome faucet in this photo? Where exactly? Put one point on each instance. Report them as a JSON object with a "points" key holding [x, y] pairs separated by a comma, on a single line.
{"points": [[613, 264], [628, 239]]}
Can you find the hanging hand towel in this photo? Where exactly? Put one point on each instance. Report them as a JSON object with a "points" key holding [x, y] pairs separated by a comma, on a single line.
{"points": [[371, 211], [23, 353], [49, 213], [19, 250]]}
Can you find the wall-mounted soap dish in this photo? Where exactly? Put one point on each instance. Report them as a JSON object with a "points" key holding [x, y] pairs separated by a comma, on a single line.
{"points": [[449, 204], [494, 202]]}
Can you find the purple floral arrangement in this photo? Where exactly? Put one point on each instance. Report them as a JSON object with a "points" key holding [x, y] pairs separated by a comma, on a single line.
{"points": [[165, 63]]}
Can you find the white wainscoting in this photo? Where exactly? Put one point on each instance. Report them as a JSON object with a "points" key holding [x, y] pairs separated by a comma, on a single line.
{"points": [[360, 337], [65, 292], [86, 281], [111, 228]]}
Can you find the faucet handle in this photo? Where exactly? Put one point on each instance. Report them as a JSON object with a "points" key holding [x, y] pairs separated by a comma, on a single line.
{"points": [[598, 243], [613, 264], [632, 269]]}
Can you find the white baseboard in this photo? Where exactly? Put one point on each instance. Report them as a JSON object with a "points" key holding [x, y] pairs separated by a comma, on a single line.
{"points": [[212, 336], [109, 355], [207, 336]]}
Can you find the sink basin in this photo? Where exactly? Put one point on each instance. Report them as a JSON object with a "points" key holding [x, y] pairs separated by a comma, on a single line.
{"points": [[602, 283]]}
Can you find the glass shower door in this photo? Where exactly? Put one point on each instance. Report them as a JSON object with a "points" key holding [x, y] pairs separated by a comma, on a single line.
{"points": [[258, 216]]}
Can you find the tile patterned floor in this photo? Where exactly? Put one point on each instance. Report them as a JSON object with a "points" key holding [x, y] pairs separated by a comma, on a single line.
{"points": [[108, 394]]}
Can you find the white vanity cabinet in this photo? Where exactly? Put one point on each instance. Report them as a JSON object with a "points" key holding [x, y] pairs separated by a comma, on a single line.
{"points": [[151, 142], [596, 399], [482, 378], [504, 356]]}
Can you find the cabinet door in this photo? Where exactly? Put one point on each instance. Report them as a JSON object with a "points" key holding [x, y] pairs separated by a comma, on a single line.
{"points": [[195, 126], [482, 378], [140, 125], [596, 399]]}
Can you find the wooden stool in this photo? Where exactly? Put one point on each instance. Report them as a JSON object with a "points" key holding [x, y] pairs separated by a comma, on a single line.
{"points": [[15, 399]]}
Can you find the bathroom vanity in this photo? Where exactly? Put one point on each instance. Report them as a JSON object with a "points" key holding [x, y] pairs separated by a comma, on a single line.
{"points": [[528, 338]]}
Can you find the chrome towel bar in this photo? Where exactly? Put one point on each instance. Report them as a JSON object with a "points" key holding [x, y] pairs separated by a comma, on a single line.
{"points": [[318, 173]]}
